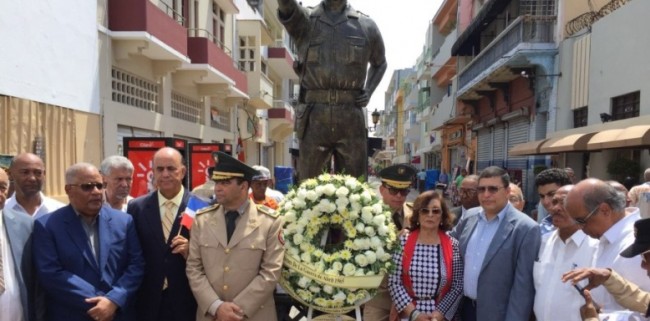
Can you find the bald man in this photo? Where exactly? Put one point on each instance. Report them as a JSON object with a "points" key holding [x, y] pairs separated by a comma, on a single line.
{"points": [[165, 294], [599, 209], [27, 173], [516, 197]]}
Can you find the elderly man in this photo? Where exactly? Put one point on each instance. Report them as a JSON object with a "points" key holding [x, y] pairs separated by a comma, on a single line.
{"points": [[468, 196], [117, 172], [16, 298], [627, 294], [235, 251], [516, 197], [87, 256], [337, 47], [499, 246], [600, 211], [566, 248], [395, 186], [27, 173], [165, 293]]}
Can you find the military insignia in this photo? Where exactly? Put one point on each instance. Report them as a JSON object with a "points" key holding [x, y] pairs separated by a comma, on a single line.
{"points": [[267, 210], [635, 231], [215, 157], [281, 237], [409, 205], [207, 209], [401, 170]]}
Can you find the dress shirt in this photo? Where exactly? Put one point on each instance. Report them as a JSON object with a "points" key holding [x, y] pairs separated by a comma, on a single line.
{"points": [[48, 205], [177, 200], [125, 205], [614, 240], [555, 300], [546, 226], [92, 233], [477, 248], [10, 304]]}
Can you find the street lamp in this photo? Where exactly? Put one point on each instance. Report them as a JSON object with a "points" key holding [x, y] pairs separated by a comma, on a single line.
{"points": [[375, 118]]}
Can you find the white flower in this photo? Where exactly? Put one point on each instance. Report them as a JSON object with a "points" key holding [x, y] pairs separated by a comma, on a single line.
{"points": [[311, 196], [319, 190], [361, 260], [324, 177], [342, 191], [351, 182], [304, 281], [290, 216], [341, 204], [324, 206], [372, 258], [355, 206], [305, 257], [288, 205], [370, 231], [298, 204], [366, 196], [314, 289], [359, 272], [329, 189], [379, 220], [294, 252], [378, 208], [337, 266], [349, 269], [328, 289], [320, 266], [340, 296], [382, 230], [366, 214], [297, 239], [354, 215], [360, 227], [375, 243], [355, 198]]}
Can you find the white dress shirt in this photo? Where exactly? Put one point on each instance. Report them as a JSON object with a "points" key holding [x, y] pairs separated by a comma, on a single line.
{"points": [[614, 240], [48, 205], [11, 307], [555, 300]]}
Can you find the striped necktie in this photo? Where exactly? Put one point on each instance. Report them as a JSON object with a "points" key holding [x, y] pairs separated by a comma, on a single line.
{"points": [[168, 219]]}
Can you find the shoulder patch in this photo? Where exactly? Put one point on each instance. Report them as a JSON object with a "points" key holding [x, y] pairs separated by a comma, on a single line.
{"points": [[207, 209], [267, 210], [409, 205]]}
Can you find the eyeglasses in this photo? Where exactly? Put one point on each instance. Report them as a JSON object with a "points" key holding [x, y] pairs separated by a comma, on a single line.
{"points": [[467, 190], [88, 187], [489, 189], [430, 211], [401, 191], [514, 199], [583, 220]]}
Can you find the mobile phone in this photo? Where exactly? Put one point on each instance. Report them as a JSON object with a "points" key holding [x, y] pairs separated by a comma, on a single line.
{"points": [[581, 290]]}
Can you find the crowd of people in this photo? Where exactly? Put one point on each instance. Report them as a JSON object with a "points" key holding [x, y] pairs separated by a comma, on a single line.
{"points": [[106, 256]]}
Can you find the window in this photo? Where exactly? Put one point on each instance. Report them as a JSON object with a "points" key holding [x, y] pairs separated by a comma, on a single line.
{"points": [[580, 117], [626, 106], [247, 53], [218, 25]]}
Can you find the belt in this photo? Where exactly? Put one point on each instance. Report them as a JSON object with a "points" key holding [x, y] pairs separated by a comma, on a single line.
{"points": [[331, 97]]}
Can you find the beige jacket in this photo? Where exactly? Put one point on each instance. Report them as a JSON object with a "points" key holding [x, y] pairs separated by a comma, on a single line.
{"points": [[627, 294], [244, 271]]}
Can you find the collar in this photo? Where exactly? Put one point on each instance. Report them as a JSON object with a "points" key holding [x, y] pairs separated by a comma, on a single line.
{"points": [[177, 200], [577, 238], [622, 227], [83, 219], [243, 207], [12, 202], [499, 216]]}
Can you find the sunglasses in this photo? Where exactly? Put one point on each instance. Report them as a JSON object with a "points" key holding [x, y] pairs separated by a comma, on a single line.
{"points": [[394, 191], [430, 211], [89, 187], [490, 189], [583, 220], [467, 190]]}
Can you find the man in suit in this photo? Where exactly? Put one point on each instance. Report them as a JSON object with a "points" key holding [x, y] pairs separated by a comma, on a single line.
{"points": [[395, 186], [15, 260], [165, 293], [468, 196], [86, 255], [235, 251], [499, 246]]}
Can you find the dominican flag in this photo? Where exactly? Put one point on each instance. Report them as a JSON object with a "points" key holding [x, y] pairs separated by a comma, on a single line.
{"points": [[193, 205]]}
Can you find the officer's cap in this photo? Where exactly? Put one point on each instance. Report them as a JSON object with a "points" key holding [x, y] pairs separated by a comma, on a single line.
{"points": [[641, 239], [228, 167], [397, 176]]}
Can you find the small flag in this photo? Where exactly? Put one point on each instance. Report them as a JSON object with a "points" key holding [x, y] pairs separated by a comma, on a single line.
{"points": [[193, 205]]}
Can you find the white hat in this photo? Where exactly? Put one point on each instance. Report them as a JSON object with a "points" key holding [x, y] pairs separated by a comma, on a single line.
{"points": [[264, 173]]}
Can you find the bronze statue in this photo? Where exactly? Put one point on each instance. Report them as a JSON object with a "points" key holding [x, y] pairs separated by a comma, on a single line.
{"points": [[335, 45]]}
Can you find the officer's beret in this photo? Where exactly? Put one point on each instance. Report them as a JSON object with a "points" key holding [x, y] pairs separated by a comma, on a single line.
{"points": [[228, 167], [397, 176]]}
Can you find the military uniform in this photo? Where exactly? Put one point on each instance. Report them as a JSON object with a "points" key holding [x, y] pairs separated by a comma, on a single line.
{"points": [[333, 64], [243, 270]]}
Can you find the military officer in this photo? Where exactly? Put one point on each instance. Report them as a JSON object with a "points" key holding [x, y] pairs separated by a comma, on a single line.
{"points": [[235, 251], [395, 186], [337, 48]]}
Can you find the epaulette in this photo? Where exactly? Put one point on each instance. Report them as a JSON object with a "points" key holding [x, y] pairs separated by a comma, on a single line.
{"points": [[267, 210], [409, 205], [362, 14], [207, 209]]}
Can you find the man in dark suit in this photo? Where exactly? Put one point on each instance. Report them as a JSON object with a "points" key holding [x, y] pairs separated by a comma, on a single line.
{"points": [[86, 255], [165, 293], [499, 246], [468, 196]]}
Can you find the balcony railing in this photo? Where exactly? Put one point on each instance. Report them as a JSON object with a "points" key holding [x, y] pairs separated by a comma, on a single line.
{"points": [[220, 121], [202, 33], [525, 29], [177, 16]]}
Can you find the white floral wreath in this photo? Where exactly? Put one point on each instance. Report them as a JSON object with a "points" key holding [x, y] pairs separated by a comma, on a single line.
{"points": [[339, 280]]}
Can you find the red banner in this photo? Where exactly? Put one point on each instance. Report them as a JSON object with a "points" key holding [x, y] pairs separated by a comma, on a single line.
{"points": [[142, 174]]}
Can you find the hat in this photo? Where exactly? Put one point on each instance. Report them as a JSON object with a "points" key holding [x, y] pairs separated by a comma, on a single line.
{"points": [[397, 176], [228, 167], [263, 173], [641, 239]]}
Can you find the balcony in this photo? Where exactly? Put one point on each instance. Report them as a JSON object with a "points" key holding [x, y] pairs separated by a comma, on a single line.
{"points": [[139, 27], [280, 120], [526, 35], [213, 68], [260, 90], [281, 60]]}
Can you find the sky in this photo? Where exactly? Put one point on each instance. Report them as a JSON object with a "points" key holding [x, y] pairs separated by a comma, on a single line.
{"points": [[403, 25]]}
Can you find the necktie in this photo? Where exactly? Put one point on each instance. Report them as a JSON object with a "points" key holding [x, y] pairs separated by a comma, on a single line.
{"points": [[397, 220], [231, 223], [2, 274], [168, 219]]}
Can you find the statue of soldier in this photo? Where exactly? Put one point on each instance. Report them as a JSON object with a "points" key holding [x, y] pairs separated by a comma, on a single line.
{"points": [[335, 46]]}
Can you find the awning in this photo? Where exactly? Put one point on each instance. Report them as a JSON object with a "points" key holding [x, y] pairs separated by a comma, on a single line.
{"points": [[529, 148], [634, 136], [416, 160], [564, 144]]}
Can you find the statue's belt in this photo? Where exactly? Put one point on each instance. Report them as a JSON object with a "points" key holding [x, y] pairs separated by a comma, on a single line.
{"points": [[331, 96]]}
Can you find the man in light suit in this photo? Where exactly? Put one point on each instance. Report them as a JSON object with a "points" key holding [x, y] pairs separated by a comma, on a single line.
{"points": [[165, 293], [499, 246], [87, 256], [15, 260], [235, 251]]}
